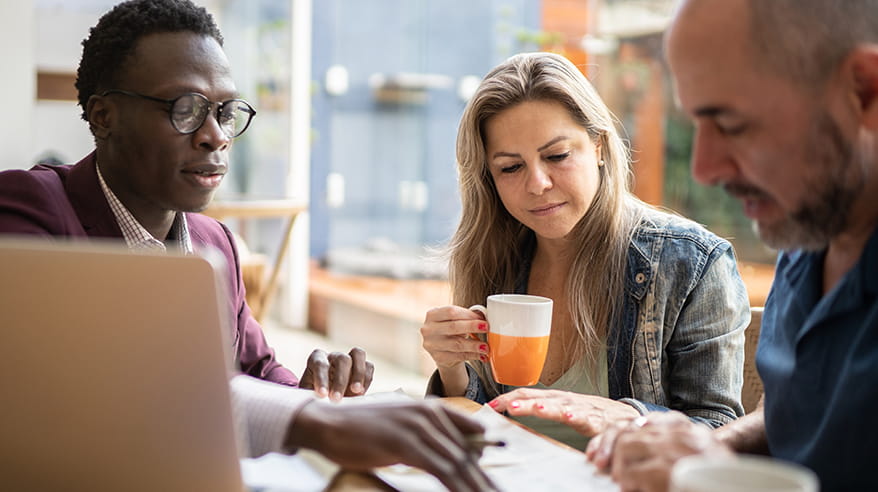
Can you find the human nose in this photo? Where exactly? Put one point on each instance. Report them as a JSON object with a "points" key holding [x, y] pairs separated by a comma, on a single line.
{"points": [[712, 164], [210, 134], [538, 180]]}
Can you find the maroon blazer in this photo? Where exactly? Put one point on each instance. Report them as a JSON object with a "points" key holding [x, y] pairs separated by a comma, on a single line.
{"points": [[68, 201]]}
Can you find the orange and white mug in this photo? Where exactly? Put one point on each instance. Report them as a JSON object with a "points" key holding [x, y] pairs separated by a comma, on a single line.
{"points": [[519, 326]]}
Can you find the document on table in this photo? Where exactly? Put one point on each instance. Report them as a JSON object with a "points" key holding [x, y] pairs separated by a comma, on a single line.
{"points": [[528, 462], [305, 471]]}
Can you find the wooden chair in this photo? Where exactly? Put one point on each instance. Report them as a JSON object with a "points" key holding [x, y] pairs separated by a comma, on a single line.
{"points": [[752, 390]]}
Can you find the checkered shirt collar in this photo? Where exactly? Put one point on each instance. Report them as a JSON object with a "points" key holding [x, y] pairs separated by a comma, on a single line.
{"points": [[136, 236]]}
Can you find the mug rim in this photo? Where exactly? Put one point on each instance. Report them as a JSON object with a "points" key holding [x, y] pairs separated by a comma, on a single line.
{"points": [[519, 299], [793, 473]]}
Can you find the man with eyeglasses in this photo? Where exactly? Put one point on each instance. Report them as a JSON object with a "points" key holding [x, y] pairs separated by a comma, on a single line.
{"points": [[156, 90]]}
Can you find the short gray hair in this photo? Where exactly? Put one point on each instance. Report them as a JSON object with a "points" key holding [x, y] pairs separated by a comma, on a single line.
{"points": [[806, 39]]}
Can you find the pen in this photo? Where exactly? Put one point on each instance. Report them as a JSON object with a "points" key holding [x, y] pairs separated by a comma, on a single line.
{"points": [[478, 443]]}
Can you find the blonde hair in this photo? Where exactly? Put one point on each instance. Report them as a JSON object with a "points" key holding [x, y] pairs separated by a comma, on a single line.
{"points": [[487, 250]]}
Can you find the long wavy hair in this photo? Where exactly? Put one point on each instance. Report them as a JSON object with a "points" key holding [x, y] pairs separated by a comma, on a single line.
{"points": [[488, 248]]}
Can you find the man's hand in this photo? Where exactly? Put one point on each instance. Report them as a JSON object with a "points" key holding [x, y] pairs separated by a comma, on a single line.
{"points": [[640, 454], [425, 435], [587, 414], [337, 375]]}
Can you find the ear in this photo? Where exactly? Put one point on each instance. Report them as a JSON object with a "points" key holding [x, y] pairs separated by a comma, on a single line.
{"points": [[864, 66], [100, 115]]}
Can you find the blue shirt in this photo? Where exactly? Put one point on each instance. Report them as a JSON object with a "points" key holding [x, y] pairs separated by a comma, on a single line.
{"points": [[818, 359]]}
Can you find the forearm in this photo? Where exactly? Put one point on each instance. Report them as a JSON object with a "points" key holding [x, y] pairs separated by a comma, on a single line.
{"points": [[454, 379], [745, 435], [312, 427], [266, 411]]}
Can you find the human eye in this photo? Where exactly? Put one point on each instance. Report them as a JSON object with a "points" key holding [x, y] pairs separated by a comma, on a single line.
{"points": [[558, 157], [732, 131], [184, 106], [730, 127], [510, 168], [228, 114]]}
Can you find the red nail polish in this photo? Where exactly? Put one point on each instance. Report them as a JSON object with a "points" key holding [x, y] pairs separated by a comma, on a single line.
{"points": [[514, 404], [483, 348], [540, 406], [493, 403], [484, 358], [483, 327], [568, 415]]}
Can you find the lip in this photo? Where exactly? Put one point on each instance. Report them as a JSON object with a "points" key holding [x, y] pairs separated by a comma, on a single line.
{"points": [[755, 208], [205, 175], [547, 209]]}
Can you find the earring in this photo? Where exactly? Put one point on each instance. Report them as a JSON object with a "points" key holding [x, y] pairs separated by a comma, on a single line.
{"points": [[601, 163]]}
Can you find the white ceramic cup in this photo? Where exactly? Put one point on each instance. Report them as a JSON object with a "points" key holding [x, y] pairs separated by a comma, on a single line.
{"points": [[743, 473], [519, 326]]}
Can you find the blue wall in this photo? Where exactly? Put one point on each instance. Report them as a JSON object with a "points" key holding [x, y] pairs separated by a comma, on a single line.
{"points": [[376, 145]]}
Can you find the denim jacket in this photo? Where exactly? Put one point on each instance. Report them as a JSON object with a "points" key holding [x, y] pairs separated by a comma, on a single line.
{"points": [[680, 342]]}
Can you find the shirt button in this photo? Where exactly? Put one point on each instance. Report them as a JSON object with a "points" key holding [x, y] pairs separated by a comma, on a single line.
{"points": [[640, 278]]}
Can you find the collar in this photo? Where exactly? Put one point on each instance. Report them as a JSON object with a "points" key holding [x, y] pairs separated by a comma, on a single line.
{"points": [[137, 238]]}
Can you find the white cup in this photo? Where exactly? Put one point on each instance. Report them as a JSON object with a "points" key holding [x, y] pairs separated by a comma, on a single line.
{"points": [[743, 473], [519, 326]]}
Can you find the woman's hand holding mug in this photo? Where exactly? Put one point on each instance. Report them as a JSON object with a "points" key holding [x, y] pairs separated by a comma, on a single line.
{"points": [[450, 335]]}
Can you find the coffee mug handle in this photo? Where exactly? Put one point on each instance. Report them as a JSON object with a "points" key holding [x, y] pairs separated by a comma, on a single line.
{"points": [[484, 311], [481, 309]]}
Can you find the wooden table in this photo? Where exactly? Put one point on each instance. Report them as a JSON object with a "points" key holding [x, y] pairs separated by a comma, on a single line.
{"points": [[261, 209]]}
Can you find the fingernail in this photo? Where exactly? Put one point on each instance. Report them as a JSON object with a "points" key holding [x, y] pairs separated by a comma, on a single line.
{"points": [[336, 396], [568, 415], [483, 348], [357, 388], [493, 403], [483, 327], [322, 392], [484, 358], [540, 406], [514, 404]]}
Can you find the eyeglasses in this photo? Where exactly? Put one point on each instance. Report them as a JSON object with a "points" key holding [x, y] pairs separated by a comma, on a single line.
{"points": [[189, 111]]}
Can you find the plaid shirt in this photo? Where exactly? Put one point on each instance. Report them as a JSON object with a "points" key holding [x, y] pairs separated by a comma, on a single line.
{"points": [[136, 236]]}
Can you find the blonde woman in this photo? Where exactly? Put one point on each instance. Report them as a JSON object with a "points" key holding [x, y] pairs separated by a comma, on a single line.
{"points": [[649, 308]]}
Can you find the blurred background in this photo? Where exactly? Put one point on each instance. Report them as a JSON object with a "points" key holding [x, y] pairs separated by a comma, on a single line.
{"points": [[358, 103]]}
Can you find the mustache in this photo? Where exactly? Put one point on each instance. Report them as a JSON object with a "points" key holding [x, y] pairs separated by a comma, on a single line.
{"points": [[744, 191]]}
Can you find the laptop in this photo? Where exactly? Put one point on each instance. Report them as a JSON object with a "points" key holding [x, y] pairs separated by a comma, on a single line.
{"points": [[114, 371]]}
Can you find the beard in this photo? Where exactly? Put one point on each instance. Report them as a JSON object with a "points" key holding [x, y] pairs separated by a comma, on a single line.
{"points": [[830, 192]]}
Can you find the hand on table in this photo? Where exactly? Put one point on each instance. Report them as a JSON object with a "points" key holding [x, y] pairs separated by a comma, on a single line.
{"points": [[425, 435], [449, 335], [589, 415], [639, 454], [337, 375]]}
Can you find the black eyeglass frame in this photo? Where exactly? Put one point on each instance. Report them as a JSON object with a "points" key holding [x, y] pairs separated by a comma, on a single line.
{"points": [[247, 108]]}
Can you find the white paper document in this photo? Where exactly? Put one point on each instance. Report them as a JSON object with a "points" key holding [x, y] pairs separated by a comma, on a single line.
{"points": [[528, 462], [305, 471]]}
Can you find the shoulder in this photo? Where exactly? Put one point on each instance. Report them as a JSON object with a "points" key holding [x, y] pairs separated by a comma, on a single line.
{"points": [[36, 179], [675, 249], [35, 198], [664, 233]]}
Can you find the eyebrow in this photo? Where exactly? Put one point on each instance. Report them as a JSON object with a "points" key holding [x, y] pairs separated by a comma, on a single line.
{"points": [[540, 149], [711, 111]]}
